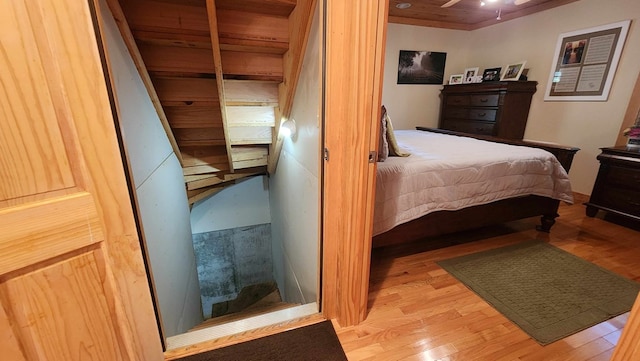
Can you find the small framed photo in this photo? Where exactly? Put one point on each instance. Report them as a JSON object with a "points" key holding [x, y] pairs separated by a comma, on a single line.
{"points": [[513, 71], [491, 74], [456, 79], [469, 75]]}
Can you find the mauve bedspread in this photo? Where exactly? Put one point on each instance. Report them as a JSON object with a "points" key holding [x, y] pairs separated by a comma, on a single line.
{"points": [[446, 172]]}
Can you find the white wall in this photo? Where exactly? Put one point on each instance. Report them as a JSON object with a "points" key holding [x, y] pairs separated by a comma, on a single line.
{"points": [[161, 198], [410, 105], [586, 125], [294, 187], [243, 204]]}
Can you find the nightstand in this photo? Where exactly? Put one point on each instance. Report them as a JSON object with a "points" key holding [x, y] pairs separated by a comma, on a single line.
{"points": [[617, 187]]}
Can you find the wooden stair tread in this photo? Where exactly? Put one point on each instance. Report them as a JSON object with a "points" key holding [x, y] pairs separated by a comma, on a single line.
{"points": [[244, 314]]}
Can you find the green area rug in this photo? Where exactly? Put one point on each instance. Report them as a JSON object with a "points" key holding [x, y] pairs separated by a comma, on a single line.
{"points": [[547, 292]]}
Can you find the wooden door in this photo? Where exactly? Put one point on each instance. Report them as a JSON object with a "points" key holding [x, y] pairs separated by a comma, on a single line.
{"points": [[355, 36], [72, 280]]}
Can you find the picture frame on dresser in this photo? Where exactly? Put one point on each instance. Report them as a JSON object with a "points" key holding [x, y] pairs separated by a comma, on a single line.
{"points": [[470, 75], [491, 74], [456, 79], [513, 71]]}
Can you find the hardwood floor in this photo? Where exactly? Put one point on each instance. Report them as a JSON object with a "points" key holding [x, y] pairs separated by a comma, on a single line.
{"points": [[417, 311]]}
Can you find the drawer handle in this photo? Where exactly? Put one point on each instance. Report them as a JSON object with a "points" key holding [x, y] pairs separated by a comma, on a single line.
{"points": [[484, 100], [482, 114]]}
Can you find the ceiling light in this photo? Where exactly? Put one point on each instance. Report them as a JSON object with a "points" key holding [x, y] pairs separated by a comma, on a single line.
{"points": [[403, 5]]}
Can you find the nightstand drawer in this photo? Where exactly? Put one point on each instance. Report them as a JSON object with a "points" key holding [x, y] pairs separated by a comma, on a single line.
{"points": [[623, 177], [623, 200], [485, 100], [482, 114], [485, 128]]}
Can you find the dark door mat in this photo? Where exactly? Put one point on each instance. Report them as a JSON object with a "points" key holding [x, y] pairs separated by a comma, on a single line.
{"points": [[317, 342]]}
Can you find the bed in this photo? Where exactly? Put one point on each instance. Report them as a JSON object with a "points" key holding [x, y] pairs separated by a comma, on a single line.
{"points": [[457, 181]]}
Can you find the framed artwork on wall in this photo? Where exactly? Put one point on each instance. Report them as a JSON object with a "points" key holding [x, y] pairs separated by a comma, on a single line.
{"points": [[585, 63], [421, 67]]}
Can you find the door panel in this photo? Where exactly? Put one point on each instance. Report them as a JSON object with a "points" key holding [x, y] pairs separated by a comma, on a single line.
{"points": [[72, 280], [72, 290]]}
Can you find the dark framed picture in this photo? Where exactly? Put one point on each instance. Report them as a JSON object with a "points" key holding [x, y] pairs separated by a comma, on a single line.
{"points": [[491, 74], [421, 67]]}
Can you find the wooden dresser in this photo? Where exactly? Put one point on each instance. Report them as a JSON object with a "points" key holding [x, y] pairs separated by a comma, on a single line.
{"points": [[499, 109], [617, 187]]}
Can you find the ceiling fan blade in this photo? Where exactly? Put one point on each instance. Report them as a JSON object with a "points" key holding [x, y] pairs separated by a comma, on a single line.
{"points": [[520, 2], [452, 2]]}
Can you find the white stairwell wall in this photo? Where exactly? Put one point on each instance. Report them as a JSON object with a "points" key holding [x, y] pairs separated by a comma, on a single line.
{"points": [[294, 188], [159, 188]]}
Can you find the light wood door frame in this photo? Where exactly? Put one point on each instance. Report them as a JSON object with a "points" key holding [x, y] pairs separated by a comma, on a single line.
{"points": [[73, 284], [354, 57]]}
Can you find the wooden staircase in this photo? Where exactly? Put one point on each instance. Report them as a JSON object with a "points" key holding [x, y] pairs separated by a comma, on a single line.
{"points": [[221, 74]]}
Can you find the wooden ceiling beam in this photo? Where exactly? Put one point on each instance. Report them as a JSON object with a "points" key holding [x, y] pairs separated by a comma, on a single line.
{"points": [[218, 62]]}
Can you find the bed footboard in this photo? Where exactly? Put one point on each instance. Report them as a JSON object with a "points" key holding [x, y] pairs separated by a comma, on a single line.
{"points": [[563, 153]]}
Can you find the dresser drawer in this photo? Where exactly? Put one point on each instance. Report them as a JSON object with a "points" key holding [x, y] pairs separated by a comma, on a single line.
{"points": [[482, 114], [485, 100], [458, 100], [469, 126], [456, 113]]}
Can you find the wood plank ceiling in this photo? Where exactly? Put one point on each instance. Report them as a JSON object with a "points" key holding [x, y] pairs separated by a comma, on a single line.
{"points": [[465, 14]]}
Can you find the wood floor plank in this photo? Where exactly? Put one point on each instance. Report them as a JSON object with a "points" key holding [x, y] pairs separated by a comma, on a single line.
{"points": [[417, 311]]}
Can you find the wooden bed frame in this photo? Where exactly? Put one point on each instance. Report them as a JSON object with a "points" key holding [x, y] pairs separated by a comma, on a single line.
{"points": [[444, 222]]}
